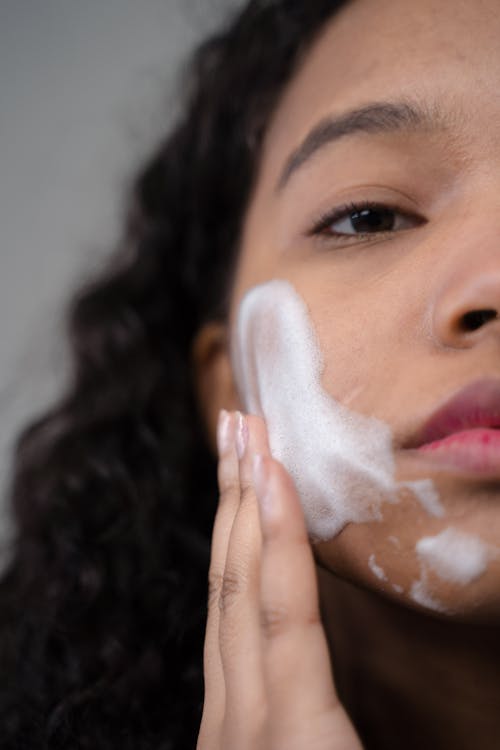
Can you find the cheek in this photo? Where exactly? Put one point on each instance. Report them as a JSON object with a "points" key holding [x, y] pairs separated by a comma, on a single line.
{"points": [[359, 352], [379, 555], [446, 566], [341, 461], [366, 524], [348, 374]]}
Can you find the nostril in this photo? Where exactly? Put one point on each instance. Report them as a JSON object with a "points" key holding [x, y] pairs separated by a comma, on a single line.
{"points": [[471, 321]]}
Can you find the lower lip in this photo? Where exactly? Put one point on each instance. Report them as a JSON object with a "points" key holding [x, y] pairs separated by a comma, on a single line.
{"points": [[476, 450]]}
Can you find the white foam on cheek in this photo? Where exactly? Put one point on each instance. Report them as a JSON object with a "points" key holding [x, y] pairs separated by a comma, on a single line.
{"points": [[376, 569], [341, 461], [421, 594], [394, 541], [453, 556], [427, 496]]}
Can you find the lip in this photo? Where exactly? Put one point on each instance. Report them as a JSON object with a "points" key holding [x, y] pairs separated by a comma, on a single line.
{"points": [[464, 432]]}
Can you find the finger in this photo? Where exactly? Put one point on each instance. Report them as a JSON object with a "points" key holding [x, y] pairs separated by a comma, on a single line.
{"points": [[239, 631], [296, 657], [229, 489]]}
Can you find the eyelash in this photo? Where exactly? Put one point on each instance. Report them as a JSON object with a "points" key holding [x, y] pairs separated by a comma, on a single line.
{"points": [[325, 222]]}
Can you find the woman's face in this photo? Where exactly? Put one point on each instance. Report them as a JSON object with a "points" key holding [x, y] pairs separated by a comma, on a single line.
{"points": [[391, 308]]}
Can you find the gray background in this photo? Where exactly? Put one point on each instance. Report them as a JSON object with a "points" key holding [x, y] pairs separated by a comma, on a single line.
{"points": [[86, 87]]}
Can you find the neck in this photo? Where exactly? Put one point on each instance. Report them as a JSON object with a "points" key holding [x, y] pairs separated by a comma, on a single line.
{"points": [[409, 680]]}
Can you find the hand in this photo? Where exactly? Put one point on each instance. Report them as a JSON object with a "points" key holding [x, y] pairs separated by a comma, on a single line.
{"points": [[268, 683]]}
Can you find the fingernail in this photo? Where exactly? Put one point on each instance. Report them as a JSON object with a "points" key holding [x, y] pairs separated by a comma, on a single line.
{"points": [[223, 432], [241, 435], [260, 472]]}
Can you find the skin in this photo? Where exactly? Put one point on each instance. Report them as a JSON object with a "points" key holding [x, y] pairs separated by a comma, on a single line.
{"points": [[264, 640], [389, 311]]}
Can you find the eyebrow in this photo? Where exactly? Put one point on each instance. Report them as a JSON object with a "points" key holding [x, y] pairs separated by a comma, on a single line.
{"points": [[377, 117]]}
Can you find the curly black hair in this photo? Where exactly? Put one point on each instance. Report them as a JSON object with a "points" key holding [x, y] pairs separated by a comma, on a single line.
{"points": [[113, 490]]}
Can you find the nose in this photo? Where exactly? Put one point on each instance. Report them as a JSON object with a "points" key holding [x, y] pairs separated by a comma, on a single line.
{"points": [[467, 305]]}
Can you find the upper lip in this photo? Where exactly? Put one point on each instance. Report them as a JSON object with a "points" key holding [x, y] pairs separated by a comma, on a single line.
{"points": [[476, 405]]}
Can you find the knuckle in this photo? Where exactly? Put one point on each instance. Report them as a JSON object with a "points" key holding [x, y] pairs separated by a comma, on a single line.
{"points": [[247, 494], [229, 485], [232, 587], [274, 620], [214, 588]]}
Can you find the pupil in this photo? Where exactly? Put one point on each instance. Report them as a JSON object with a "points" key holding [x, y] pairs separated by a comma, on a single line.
{"points": [[370, 219]]}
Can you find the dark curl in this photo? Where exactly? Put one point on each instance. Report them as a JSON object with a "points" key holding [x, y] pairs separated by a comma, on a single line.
{"points": [[103, 603]]}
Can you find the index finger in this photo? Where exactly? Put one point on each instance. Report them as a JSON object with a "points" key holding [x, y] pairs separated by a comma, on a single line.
{"points": [[303, 702]]}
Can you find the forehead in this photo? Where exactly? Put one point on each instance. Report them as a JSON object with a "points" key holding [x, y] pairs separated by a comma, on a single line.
{"points": [[442, 52]]}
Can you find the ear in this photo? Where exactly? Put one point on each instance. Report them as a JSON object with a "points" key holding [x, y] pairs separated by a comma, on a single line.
{"points": [[213, 376]]}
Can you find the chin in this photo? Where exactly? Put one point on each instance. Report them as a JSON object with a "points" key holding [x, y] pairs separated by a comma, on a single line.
{"points": [[475, 602], [440, 568]]}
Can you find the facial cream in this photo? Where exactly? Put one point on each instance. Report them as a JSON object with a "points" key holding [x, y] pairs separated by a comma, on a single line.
{"points": [[376, 569], [341, 461], [452, 556]]}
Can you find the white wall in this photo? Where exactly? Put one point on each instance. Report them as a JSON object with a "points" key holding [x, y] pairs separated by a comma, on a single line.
{"points": [[86, 86]]}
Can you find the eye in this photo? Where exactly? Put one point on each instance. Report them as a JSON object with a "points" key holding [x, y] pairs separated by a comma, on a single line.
{"points": [[362, 219]]}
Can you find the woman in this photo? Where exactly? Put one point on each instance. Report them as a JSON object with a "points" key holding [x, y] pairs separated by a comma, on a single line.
{"points": [[347, 152]]}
